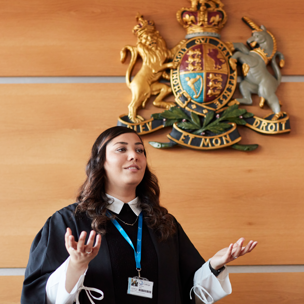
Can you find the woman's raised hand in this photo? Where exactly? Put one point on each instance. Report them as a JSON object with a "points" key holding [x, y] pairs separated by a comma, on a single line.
{"points": [[230, 253], [80, 253]]}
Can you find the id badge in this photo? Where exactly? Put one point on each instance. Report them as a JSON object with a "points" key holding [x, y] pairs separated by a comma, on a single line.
{"points": [[140, 287]]}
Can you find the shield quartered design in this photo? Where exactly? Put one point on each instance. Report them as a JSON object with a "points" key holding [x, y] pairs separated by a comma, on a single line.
{"points": [[203, 79]]}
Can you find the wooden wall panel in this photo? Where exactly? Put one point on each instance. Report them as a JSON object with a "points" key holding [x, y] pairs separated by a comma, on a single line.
{"points": [[57, 38], [279, 288], [10, 289], [46, 133]]}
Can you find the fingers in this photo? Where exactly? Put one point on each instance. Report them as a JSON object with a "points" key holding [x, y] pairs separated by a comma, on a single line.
{"points": [[97, 243], [90, 242], [88, 248], [94, 250], [68, 232], [250, 246], [247, 248], [81, 242], [238, 248], [80, 248], [237, 244], [253, 245], [69, 240], [240, 240], [71, 243], [228, 253], [66, 237], [229, 250]]}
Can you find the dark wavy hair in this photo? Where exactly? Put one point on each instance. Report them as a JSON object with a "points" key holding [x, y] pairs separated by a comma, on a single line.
{"points": [[92, 199]]}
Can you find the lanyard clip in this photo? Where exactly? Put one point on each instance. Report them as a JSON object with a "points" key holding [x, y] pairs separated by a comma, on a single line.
{"points": [[138, 270]]}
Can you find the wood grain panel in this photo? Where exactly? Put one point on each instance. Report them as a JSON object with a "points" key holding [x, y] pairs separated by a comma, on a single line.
{"points": [[55, 38], [279, 288], [10, 289], [46, 133]]}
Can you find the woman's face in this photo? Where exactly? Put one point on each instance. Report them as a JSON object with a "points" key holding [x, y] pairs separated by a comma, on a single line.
{"points": [[125, 163]]}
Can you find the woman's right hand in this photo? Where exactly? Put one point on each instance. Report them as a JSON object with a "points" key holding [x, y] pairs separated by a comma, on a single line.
{"points": [[80, 254]]}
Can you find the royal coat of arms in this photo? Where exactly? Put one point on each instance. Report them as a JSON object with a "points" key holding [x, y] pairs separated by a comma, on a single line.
{"points": [[202, 71]]}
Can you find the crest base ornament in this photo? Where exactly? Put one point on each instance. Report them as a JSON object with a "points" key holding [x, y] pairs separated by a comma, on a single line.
{"points": [[268, 126], [200, 142], [142, 128]]}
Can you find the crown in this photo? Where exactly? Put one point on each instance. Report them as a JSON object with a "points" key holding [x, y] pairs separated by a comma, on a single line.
{"points": [[204, 18]]}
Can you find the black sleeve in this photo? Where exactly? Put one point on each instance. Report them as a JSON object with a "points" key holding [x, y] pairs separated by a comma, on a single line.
{"points": [[189, 262], [47, 253]]}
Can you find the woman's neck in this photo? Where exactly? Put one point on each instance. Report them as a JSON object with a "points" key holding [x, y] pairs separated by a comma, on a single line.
{"points": [[124, 195]]}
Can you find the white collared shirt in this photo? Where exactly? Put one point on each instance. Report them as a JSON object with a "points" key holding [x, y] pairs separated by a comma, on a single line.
{"points": [[206, 286], [116, 205]]}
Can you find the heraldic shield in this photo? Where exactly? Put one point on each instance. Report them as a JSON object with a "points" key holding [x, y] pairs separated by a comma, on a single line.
{"points": [[203, 79]]}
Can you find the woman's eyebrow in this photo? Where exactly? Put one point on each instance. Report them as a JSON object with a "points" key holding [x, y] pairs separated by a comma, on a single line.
{"points": [[125, 143], [121, 143]]}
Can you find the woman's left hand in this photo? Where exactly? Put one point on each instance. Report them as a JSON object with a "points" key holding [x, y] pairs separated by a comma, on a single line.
{"points": [[229, 254]]}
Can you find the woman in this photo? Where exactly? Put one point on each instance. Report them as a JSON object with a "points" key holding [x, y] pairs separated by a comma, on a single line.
{"points": [[121, 192]]}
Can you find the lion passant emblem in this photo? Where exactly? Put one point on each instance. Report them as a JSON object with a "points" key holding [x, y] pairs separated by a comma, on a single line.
{"points": [[202, 70]]}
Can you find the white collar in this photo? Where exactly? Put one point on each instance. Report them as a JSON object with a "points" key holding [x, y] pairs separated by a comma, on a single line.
{"points": [[116, 205]]}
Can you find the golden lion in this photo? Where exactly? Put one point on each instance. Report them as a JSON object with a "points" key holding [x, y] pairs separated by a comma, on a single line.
{"points": [[152, 49]]}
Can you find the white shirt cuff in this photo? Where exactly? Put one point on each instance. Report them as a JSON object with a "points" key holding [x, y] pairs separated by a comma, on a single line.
{"points": [[55, 286], [207, 287]]}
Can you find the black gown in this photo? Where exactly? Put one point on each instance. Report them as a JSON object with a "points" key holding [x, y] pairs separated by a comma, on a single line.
{"points": [[170, 264]]}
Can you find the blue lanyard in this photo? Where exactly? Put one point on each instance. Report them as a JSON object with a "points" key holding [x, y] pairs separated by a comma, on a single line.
{"points": [[137, 253]]}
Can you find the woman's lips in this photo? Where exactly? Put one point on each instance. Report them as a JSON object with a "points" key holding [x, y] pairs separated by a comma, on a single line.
{"points": [[132, 167]]}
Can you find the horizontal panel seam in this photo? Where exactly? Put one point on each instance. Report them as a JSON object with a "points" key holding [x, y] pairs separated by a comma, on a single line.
{"points": [[231, 269], [94, 79]]}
